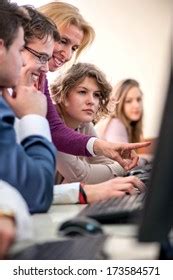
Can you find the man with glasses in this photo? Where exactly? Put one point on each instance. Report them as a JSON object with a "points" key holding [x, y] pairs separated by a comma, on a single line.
{"points": [[39, 43], [28, 166], [42, 57]]}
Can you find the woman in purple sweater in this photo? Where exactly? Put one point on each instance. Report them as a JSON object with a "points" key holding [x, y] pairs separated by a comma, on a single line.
{"points": [[77, 34]]}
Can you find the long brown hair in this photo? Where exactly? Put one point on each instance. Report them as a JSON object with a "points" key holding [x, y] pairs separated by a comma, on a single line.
{"points": [[134, 129]]}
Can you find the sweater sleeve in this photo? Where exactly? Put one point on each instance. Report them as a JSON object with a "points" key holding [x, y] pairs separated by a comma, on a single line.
{"points": [[74, 169], [64, 138]]}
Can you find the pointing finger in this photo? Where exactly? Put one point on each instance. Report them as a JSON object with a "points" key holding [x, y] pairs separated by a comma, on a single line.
{"points": [[132, 146]]}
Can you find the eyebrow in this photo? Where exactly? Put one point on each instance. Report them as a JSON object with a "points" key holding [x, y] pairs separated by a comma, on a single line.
{"points": [[69, 40], [82, 87], [66, 37]]}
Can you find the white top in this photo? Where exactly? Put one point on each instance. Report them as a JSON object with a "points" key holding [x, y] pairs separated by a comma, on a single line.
{"points": [[112, 130], [10, 199], [32, 125]]}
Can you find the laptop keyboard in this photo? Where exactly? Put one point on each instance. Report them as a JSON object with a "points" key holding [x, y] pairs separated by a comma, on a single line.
{"points": [[116, 210], [80, 248]]}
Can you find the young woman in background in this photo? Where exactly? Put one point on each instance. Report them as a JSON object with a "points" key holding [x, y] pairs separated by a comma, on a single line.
{"points": [[124, 123]]}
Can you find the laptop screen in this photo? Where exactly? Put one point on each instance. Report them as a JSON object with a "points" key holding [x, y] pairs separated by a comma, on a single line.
{"points": [[158, 211]]}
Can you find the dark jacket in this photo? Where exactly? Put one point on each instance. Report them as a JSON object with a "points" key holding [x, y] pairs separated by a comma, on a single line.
{"points": [[28, 166]]}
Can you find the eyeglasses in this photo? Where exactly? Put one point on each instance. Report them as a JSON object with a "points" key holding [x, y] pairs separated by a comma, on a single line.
{"points": [[43, 57]]}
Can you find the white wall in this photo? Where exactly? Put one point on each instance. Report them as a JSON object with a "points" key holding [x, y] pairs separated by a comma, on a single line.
{"points": [[132, 40]]}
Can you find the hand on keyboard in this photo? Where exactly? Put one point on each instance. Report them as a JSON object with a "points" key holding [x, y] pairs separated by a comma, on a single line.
{"points": [[114, 188], [143, 173]]}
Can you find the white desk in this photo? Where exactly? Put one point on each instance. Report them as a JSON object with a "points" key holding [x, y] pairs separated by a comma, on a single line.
{"points": [[122, 244], [46, 225]]}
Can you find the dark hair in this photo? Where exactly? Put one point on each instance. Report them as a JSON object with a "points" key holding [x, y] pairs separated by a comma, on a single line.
{"points": [[39, 26], [11, 18]]}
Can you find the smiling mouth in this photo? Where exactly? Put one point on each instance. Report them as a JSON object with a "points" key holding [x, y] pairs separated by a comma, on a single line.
{"points": [[35, 77], [57, 62]]}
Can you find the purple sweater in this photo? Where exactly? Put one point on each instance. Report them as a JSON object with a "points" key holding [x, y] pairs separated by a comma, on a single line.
{"points": [[64, 138]]}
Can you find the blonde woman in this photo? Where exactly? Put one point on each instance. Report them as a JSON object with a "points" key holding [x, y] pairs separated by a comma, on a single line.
{"points": [[76, 35], [124, 123]]}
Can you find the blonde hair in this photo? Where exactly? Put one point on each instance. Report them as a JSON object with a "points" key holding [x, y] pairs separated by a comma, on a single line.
{"points": [[64, 14], [61, 87], [134, 129]]}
